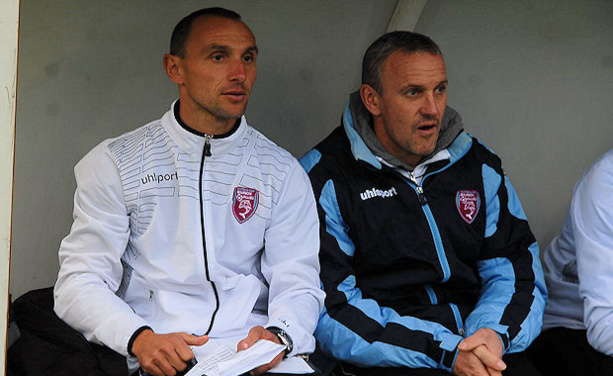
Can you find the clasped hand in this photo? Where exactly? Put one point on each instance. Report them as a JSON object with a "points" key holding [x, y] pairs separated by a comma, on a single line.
{"points": [[480, 355]]}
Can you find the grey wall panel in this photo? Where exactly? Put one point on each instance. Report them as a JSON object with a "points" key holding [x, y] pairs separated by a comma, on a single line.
{"points": [[534, 81], [89, 70]]}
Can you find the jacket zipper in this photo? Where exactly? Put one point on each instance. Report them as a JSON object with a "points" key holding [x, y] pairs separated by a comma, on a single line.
{"points": [[436, 235], [438, 242], [206, 152], [419, 189]]}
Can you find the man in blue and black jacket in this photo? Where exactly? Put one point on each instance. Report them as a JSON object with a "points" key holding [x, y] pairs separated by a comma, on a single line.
{"points": [[427, 259]]}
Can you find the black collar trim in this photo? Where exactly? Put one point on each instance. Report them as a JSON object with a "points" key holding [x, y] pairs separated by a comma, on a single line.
{"points": [[197, 133]]}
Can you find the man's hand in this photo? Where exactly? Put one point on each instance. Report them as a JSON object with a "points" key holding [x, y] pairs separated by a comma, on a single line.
{"points": [[468, 364], [484, 347], [165, 354], [259, 332]]}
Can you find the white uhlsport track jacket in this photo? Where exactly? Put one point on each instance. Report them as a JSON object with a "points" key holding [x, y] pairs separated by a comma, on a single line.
{"points": [[167, 236], [579, 261]]}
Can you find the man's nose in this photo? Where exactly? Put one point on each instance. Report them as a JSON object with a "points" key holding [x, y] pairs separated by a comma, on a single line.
{"points": [[429, 105], [238, 71]]}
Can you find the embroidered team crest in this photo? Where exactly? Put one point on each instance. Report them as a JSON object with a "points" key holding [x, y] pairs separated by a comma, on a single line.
{"points": [[244, 203], [468, 204]]}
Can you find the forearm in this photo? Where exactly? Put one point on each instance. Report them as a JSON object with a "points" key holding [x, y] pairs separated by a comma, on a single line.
{"points": [[95, 311], [511, 303], [363, 333], [295, 297], [297, 316], [290, 263], [513, 295], [592, 223]]}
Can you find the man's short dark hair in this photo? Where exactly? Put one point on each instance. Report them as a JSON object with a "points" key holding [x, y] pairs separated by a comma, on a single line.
{"points": [[181, 32], [387, 44]]}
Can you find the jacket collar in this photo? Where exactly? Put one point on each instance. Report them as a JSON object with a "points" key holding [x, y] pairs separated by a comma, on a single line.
{"points": [[192, 141]]}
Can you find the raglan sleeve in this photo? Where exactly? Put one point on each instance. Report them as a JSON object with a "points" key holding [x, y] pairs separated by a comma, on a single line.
{"points": [[90, 256], [290, 263], [513, 293], [591, 211], [357, 329]]}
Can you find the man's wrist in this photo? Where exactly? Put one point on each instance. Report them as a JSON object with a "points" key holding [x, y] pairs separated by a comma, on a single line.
{"points": [[134, 336], [502, 336], [283, 337]]}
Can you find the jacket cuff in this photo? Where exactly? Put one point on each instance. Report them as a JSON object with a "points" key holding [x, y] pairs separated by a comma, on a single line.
{"points": [[292, 332], [449, 358], [449, 345], [505, 341], [133, 338]]}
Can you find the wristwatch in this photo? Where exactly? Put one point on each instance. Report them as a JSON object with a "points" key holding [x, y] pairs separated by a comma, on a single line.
{"points": [[284, 338]]}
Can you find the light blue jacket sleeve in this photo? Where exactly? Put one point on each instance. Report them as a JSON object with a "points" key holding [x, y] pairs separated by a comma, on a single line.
{"points": [[514, 294]]}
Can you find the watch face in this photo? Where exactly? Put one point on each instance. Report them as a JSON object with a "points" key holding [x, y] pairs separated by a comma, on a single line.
{"points": [[283, 338]]}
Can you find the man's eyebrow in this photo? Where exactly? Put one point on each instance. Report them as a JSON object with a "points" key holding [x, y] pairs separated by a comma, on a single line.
{"points": [[253, 48], [216, 47], [411, 86], [421, 87], [224, 48]]}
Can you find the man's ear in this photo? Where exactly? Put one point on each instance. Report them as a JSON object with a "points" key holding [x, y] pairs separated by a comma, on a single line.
{"points": [[172, 66], [370, 98]]}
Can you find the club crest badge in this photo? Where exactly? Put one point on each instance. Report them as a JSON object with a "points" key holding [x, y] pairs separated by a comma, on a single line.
{"points": [[468, 204], [244, 203]]}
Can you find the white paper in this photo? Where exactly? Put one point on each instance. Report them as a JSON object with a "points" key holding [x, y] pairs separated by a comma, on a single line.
{"points": [[293, 365], [224, 361]]}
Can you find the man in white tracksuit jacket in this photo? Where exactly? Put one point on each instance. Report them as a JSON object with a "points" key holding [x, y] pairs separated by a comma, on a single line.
{"points": [[577, 336], [194, 226]]}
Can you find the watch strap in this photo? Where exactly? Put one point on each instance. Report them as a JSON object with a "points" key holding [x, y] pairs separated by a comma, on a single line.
{"points": [[284, 338]]}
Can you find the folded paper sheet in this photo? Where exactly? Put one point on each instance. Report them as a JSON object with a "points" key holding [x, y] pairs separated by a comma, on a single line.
{"points": [[218, 359]]}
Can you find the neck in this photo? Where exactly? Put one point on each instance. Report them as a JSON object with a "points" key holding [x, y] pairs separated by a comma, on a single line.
{"points": [[204, 122], [220, 131], [409, 159]]}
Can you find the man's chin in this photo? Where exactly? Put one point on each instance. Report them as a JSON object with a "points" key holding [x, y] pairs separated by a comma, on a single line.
{"points": [[231, 115], [426, 152]]}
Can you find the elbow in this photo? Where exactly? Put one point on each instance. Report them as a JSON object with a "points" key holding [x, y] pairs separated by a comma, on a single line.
{"points": [[600, 332]]}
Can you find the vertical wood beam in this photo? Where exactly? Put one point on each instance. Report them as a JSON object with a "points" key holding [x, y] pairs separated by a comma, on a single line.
{"points": [[9, 31]]}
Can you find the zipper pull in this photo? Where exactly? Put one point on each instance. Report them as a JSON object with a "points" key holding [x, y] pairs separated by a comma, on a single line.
{"points": [[207, 145], [420, 191], [412, 177], [422, 197]]}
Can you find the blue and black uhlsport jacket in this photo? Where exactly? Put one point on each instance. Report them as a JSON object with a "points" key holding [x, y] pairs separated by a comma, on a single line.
{"points": [[408, 275]]}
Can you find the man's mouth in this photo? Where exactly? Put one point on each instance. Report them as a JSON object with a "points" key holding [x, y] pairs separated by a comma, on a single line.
{"points": [[235, 94], [427, 126]]}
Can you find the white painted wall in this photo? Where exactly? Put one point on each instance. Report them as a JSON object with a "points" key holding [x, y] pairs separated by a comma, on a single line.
{"points": [[533, 79], [9, 26]]}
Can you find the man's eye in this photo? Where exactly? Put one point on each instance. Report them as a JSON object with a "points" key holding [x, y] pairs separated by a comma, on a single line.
{"points": [[217, 57], [412, 92], [248, 58], [441, 89]]}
